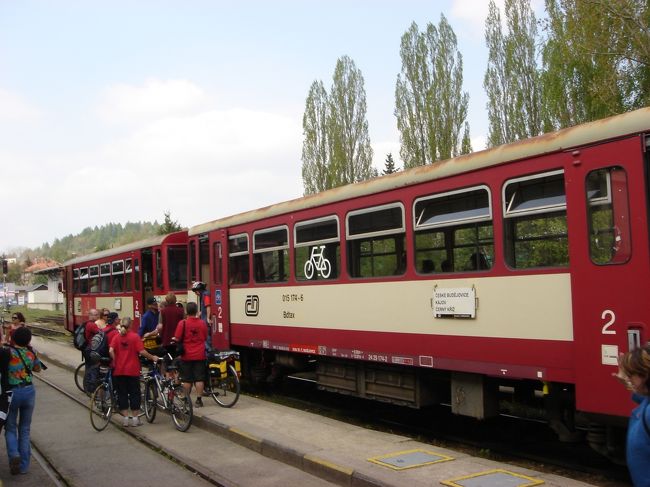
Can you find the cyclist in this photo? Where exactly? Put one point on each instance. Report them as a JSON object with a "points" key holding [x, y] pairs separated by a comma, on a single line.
{"points": [[125, 349]]}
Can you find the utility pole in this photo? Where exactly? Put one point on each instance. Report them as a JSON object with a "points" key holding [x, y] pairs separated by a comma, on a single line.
{"points": [[5, 270]]}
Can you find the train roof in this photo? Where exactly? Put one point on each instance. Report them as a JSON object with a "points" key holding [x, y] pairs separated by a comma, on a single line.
{"points": [[140, 244], [572, 137]]}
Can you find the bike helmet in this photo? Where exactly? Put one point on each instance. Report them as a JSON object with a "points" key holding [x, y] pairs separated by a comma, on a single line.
{"points": [[198, 286]]}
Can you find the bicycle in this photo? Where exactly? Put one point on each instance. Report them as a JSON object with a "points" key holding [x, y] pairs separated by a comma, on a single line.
{"points": [[164, 393], [104, 399], [223, 370], [317, 262]]}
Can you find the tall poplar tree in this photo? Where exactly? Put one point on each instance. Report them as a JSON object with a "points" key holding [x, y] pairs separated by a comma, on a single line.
{"points": [[336, 146], [512, 79], [596, 59], [316, 146], [430, 105], [351, 152]]}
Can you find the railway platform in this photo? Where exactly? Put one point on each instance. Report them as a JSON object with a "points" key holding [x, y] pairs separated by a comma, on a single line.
{"points": [[335, 451]]}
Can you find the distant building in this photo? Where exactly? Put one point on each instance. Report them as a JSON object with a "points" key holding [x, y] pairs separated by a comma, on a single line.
{"points": [[47, 296]]}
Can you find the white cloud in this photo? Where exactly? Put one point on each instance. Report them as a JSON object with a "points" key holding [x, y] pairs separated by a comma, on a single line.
{"points": [[474, 12], [123, 103], [17, 109]]}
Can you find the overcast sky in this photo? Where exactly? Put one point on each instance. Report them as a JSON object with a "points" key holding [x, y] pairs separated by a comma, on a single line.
{"points": [[119, 111]]}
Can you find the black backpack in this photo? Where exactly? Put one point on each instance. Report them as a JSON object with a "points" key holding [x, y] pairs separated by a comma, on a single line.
{"points": [[79, 337], [98, 346]]}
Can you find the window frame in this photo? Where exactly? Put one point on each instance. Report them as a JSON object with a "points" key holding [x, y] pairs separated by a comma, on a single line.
{"points": [[312, 243], [373, 209], [313, 221], [272, 251], [457, 221], [507, 213]]}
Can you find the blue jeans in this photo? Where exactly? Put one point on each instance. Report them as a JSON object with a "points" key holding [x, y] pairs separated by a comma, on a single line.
{"points": [[17, 429]]}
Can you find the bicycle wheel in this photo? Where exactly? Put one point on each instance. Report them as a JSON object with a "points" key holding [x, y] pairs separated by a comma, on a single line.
{"points": [[181, 409], [79, 373], [101, 407], [150, 396], [225, 392]]}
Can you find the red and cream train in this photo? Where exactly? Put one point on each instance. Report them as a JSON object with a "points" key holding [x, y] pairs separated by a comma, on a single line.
{"points": [[524, 267]]}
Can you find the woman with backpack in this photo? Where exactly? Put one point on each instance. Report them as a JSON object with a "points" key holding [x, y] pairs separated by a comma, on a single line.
{"points": [[22, 362]]}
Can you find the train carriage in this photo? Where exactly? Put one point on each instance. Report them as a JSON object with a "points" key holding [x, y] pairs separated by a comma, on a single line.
{"points": [[122, 278], [521, 268]]}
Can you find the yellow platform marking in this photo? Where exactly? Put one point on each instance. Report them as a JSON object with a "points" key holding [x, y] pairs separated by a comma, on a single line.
{"points": [[531, 481], [381, 459]]}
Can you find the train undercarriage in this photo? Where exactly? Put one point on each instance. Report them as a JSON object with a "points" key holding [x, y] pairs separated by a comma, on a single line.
{"points": [[467, 394]]}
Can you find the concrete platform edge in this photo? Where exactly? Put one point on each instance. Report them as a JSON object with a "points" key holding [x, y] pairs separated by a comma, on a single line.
{"points": [[309, 463]]}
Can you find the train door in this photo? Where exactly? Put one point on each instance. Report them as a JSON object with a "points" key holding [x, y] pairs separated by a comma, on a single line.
{"points": [[221, 322], [606, 198]]}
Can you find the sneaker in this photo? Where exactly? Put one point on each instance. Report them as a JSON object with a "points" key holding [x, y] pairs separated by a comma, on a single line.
{"points": [[136, 422], [198, 403], [125, 421], [14, 465]]}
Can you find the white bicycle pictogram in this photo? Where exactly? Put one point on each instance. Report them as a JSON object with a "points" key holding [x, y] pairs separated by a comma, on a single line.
{"points": [[317, 263]]}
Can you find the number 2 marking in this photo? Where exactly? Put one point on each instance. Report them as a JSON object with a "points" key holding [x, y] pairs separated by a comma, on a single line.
{"points": [[612, 318]]}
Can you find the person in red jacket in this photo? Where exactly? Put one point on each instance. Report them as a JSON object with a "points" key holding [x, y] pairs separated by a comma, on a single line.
{"points": [[192, 332], [125, 348], [170, 316]]}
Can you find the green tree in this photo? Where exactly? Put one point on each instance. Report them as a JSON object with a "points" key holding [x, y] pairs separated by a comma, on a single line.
{"points": [[466, 144], [596, 59], [430, 105], [351, 152], [316, 145], [336, 146], [512, 79], [169, 225], [389, 165]]}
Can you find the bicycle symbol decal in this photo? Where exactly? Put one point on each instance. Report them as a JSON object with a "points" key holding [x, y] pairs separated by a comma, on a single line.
{"points": [[318, 263]]}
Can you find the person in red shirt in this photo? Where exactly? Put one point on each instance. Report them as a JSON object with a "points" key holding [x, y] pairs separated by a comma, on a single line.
{"points": [[192, 332], [125, 349]]}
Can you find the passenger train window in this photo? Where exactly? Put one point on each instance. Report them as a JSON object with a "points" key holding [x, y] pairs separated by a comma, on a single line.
{"points": [[93, 278], [535, 221], [217, 269], [83, 280], [271, 255], [118, 276], [453, 231], [317, 249], [177, 267], [608, 210], [238, 259], [159, 269], [105, 278], [75, 281], [376, 241]]}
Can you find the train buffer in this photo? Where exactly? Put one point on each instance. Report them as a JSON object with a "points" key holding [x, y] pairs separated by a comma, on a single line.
{"points": [[335, 451]]}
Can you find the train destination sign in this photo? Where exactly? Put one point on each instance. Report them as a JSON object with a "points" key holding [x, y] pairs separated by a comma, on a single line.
{"points": [[457, 302]]}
